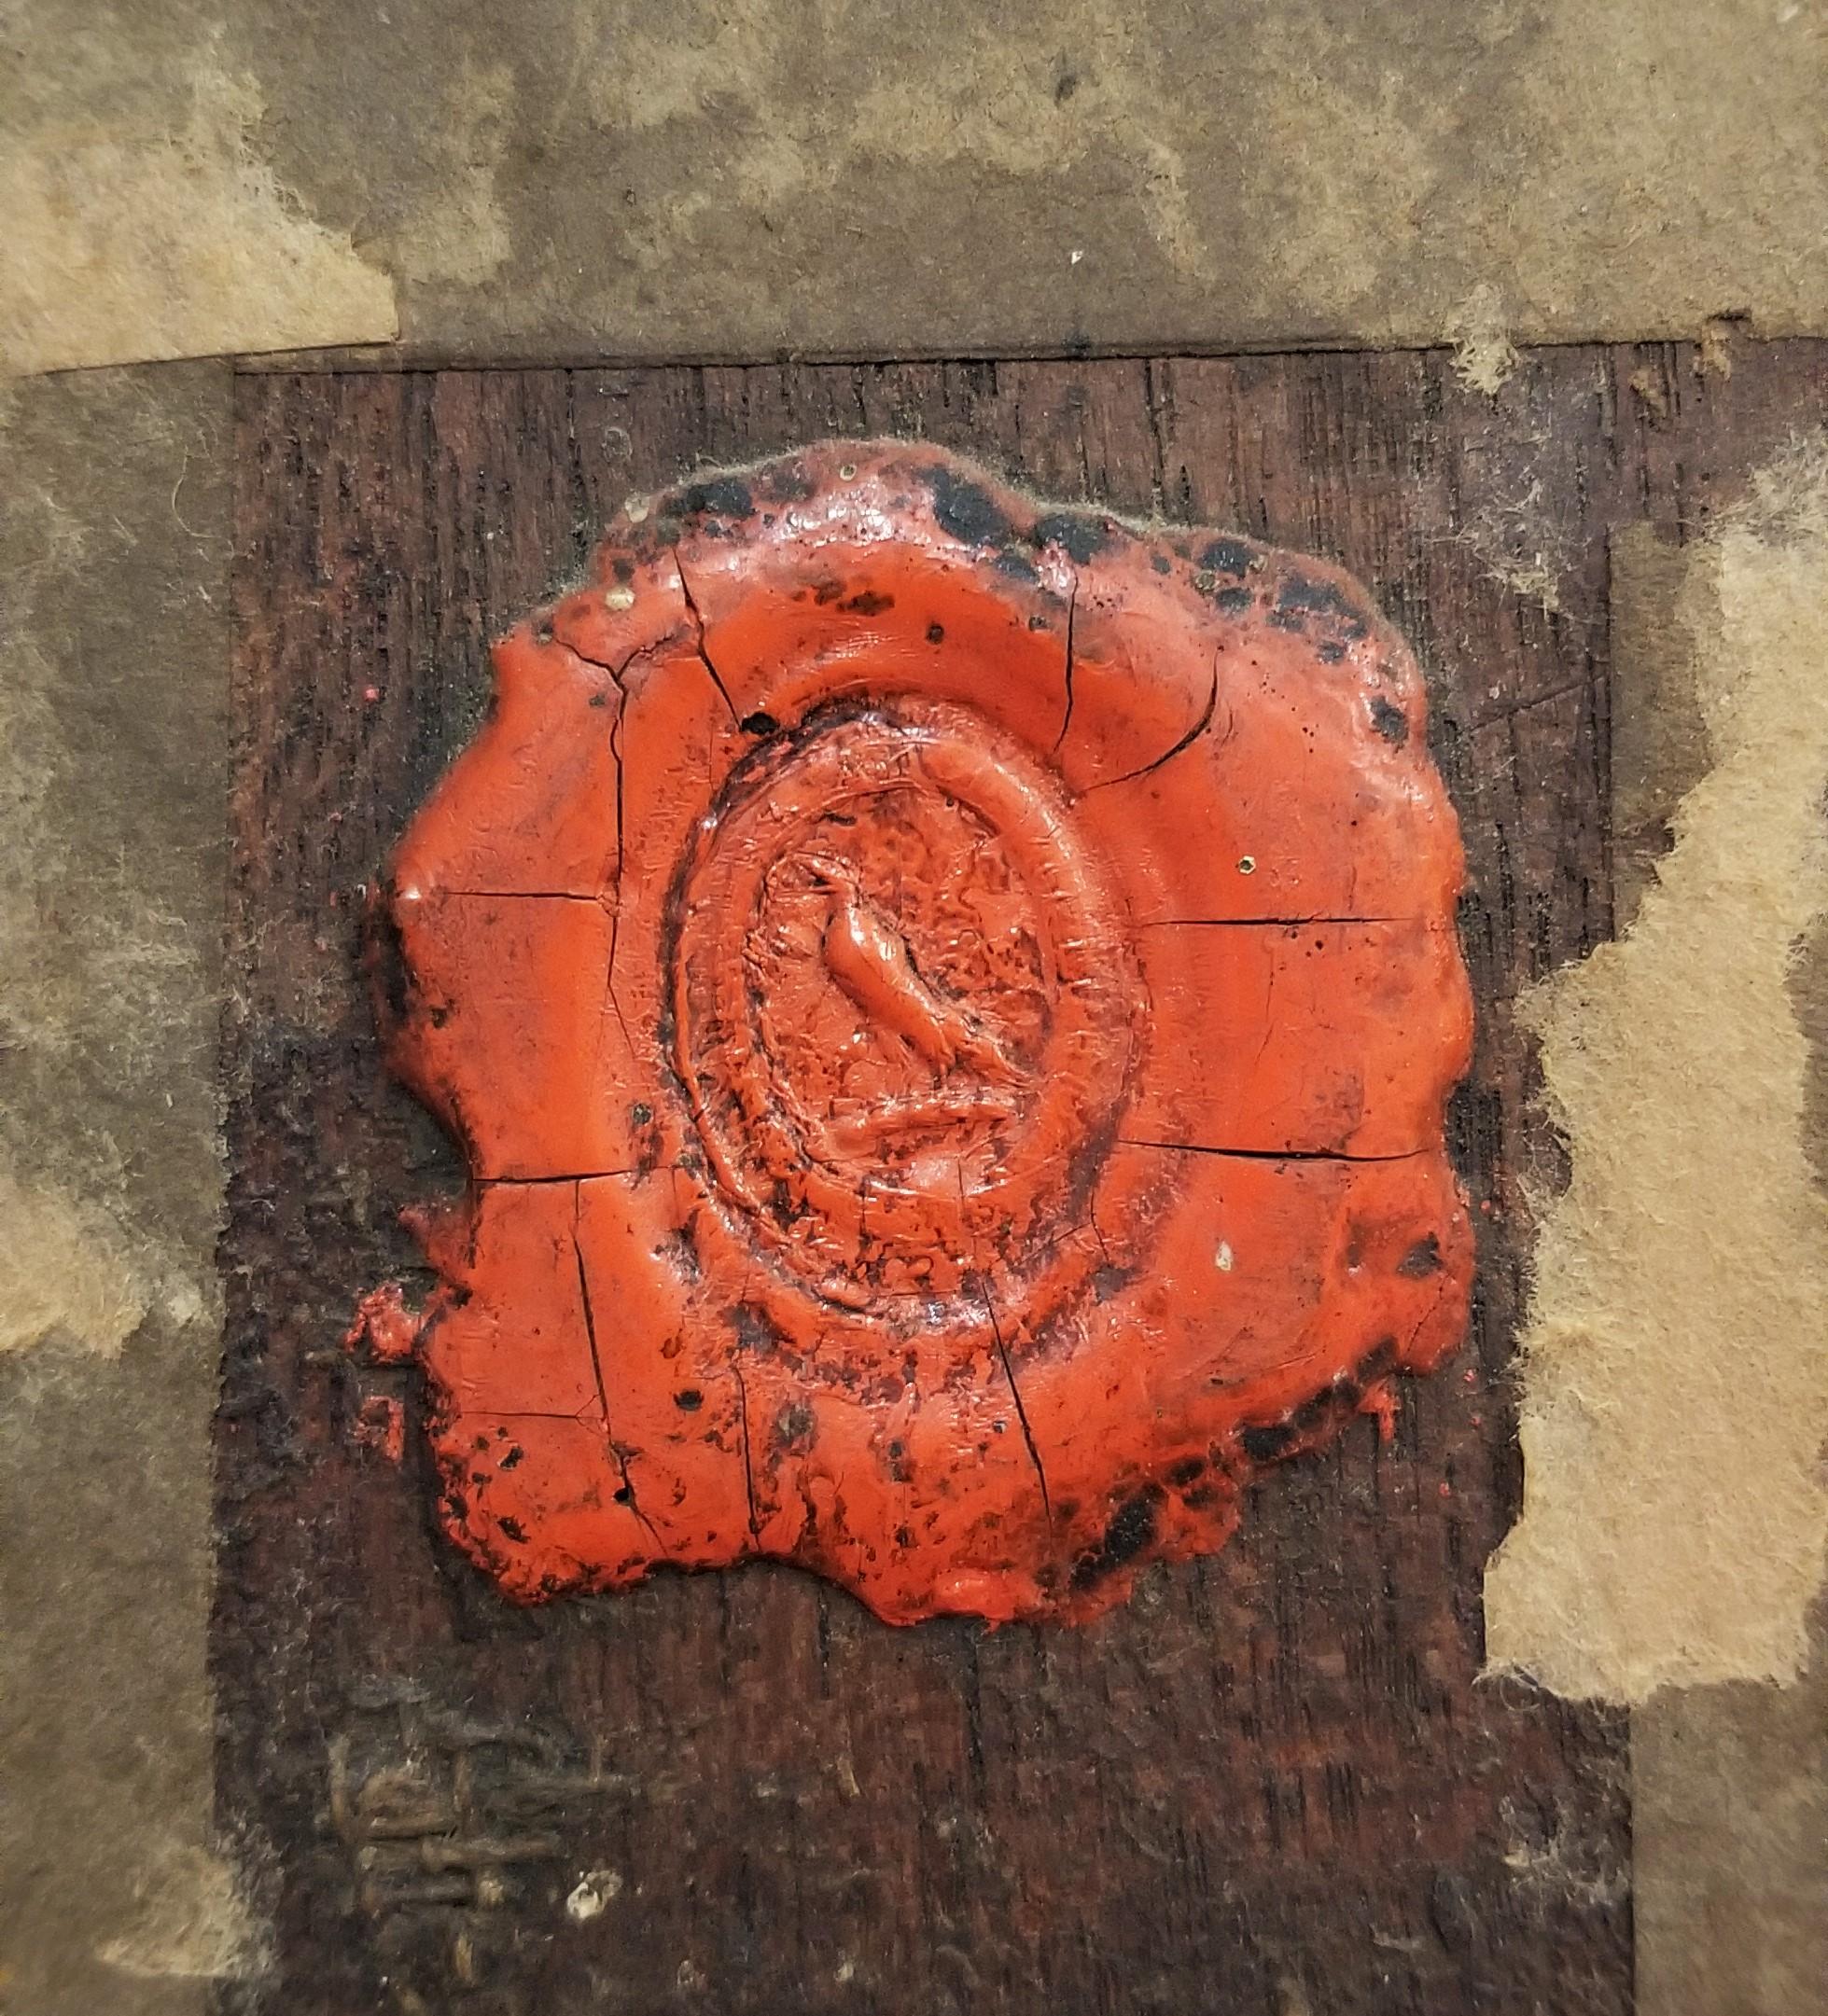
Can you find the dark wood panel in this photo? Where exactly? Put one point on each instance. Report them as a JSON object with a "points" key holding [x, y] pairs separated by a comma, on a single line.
{"points": [[1272, 1782]]}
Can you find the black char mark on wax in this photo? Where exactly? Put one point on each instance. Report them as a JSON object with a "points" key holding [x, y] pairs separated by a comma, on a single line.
{"points": [[1234, 557], [965, 509], [718, 496], [1390, 721], [1078, 534], [1131, 1529], [1264, 1441], [1301, 596], [1422, 1259]]}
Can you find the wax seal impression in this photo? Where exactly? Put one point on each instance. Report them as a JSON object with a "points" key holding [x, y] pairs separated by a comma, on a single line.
{"points": [[949, 1006]]}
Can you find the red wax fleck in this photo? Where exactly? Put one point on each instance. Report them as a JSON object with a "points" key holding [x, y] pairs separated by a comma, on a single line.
{"points": [[384, 1322], [904, 1142], [381, 1425]]}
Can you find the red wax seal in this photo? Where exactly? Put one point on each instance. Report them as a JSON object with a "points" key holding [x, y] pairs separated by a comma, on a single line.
{"points": [[948, 1005]]}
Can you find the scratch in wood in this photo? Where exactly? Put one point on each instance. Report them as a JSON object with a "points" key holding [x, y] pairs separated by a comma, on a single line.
{"points": [[1494, 717]]}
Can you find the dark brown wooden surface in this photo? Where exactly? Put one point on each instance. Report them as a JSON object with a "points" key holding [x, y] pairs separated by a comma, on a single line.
{"points": [[1274, 1782]]}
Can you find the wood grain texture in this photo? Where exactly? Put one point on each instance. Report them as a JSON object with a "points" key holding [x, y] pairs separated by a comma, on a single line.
{"points": [[1273, 1781]]}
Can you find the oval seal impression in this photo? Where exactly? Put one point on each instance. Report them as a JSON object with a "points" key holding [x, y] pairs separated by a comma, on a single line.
{"points": [[948, 1005]]}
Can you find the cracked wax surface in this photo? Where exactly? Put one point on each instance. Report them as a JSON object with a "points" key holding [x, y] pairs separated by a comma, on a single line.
{"points": [[949, 1009]]}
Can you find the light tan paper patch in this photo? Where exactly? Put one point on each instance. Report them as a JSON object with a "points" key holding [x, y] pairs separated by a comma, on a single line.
{"points": [[64, 1268], [124, 243], [192, 1924], [1676, 1381]]}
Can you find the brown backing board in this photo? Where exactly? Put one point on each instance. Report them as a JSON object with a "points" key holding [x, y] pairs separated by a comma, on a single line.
{"points": [[1274, 1781]]}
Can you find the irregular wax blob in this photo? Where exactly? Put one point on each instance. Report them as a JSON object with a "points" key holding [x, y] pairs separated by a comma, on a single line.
{"points": [[949, 1004]]}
